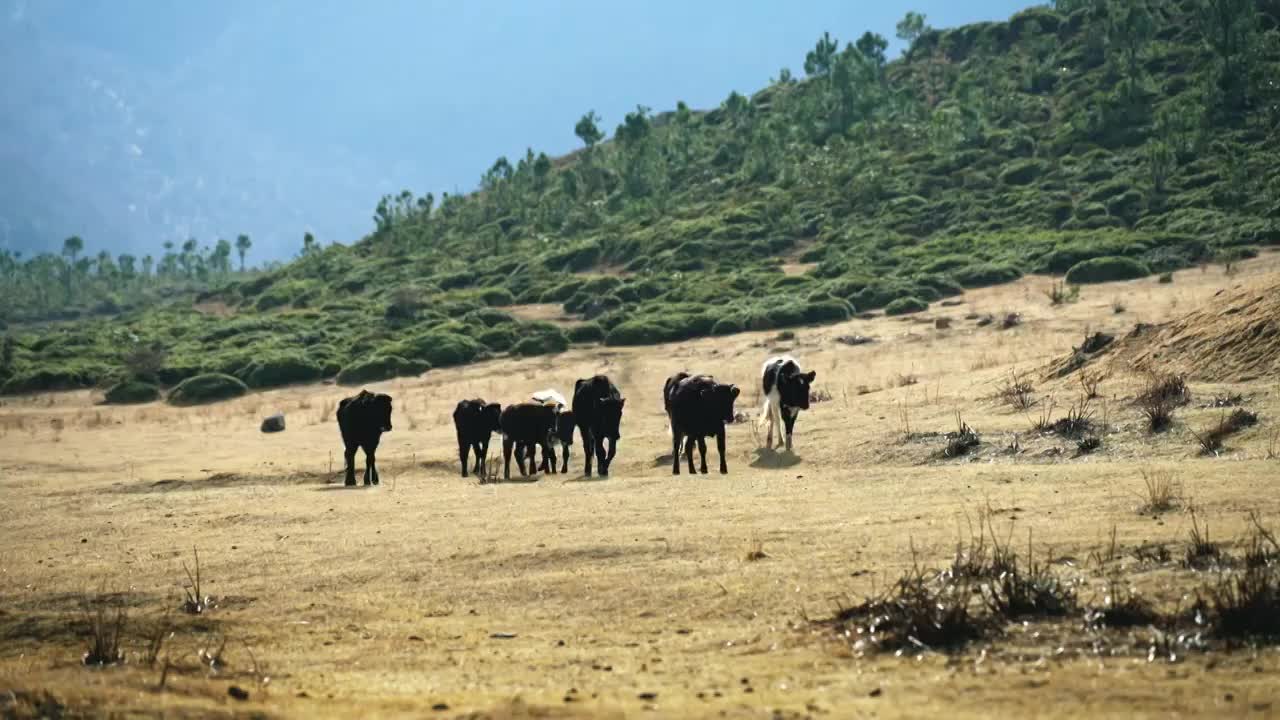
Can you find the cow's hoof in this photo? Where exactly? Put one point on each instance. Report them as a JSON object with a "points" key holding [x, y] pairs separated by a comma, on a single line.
{"points": [[351, 482]]}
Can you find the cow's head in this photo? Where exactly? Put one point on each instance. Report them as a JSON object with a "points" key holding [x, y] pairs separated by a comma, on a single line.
{"points": [[382, 403], [718, 399], [491, 417], [610, 414], [794, 389]]}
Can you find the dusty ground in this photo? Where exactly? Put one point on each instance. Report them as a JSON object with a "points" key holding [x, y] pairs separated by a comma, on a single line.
{"points": [[632, 596]]}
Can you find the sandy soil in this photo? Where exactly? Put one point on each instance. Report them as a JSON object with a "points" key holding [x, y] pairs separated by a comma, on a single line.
{"points": [[643, 594]]}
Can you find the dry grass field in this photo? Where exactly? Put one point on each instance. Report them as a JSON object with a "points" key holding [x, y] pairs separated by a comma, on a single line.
{"points": [[644, 595]]}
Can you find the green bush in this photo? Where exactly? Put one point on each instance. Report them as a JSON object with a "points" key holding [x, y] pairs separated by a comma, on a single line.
{"points": [[207, 388], [279, 370], [381, 367], [906, 305], [1106, 269], [439, 347], [1021, 172], [497, 296], [830, 310], [727, 325], [130, 392], [985, 274], [498, 339], [588, 332], [541, 344], [636, 332], [56, 377]]}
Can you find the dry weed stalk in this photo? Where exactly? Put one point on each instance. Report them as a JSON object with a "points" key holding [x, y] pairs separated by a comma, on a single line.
{"points": [[1017, 392], [196, 601], [105, 632], [1163, 492]]}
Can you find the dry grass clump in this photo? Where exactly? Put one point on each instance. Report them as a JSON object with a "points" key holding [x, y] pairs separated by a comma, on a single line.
{"points": [[1162, 394], [756, 552], [1017, 392], [1059, 293], [1078, 421], [1244, 604], [1202, 552], [106, 632], [1122, 607], [1211, 439], [919, 612], [961, 440], [1163, 492], [1035, 590], [1090, 380], [196, 602]]}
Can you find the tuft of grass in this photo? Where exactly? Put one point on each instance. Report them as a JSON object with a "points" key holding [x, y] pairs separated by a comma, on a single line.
{"points": [[1163, 492], [1088, 444], [1244, 604], [1122, 607], [919, 612], [756, 552], [1017, 392], [106, 631], [196, 602], [1078, 421], [1089, 382], [1118, 306], [1202, 552], [1010, 320], [1059, 293], [1273, 445], [1228, 424], [1035, 590], [905, 380], [961, 440]]}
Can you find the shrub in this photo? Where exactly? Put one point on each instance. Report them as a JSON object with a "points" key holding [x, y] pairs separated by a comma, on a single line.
{"points": [[541, 344], [130, 392], [207, 388], [727, 326], [497, 296], [53, 378], [1107, 269], [986, 274], [823, 311], [906, 305], [381, 367], [498, 339], [279, 370], [636, 332], [586, 333], [439, 347], [1021, 172]]}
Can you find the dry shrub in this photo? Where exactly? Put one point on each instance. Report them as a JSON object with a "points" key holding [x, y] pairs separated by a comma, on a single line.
{"points": [[905, 380], [1059, 293], [755, 552], [1078, 421], [818, 396], [1167, 387], [1273, 445], [1088, 444], [1211, 439], [1034, 591], [1225, 401], [1244, 604], [1163, 492], [1017, 392], [961, 440], [106, 631], [1090, 380], [196, 602], [919, 612], [1202, 552], [1122, 607], [983, 556], [1010, 321]]}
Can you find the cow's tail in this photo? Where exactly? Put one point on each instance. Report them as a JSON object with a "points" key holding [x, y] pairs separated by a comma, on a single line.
{"points": [[764, 411]]}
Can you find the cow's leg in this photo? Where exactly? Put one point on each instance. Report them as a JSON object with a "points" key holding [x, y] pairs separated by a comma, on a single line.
{"points": [[675, 451], [601, 458], [506, 457], [564, 460], [464, 448], [768, 412], [588, 448], [548, 458], [370, 464], [350, 456], [533, 455], [521, 449], [789, 419], [481, 448], [702, 451], [724, 463], [689, 445]]}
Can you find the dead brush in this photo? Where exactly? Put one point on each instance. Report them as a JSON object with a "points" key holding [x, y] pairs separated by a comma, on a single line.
{"points": [[755, 552], [492, 466], [1163, 492], [1245, 604], [159, 631], [1165, 386], [106, 631], [1017, 392], [1034, 591], [905, 380], [1090, 380], [1152, 554], [1273, 445], [980, 558], [1087, 445], [1158, 412], [918, 612], [196, 602], [1059, 293], [961, 440], [1211, 439], [1121, 607], [1078, 421], [1202, 553], [1261, 547]]}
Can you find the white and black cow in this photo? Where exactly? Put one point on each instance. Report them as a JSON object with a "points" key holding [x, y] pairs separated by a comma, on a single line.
{"points": [[786, 393]]}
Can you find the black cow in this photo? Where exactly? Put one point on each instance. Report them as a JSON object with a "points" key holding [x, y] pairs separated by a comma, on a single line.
{"points": [[362, 420], [698, 407], [597, 410], [476, 421], [786, 393], [524, 427], [563, 434]]}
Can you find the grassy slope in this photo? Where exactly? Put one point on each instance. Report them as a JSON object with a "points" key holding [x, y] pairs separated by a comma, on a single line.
{"points": [[987, 153]]}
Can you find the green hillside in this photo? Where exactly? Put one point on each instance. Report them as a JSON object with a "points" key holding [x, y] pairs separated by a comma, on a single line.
{"points": [[1093, 129]]}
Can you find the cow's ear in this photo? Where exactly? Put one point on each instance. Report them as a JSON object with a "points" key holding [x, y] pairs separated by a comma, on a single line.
{"points": [[734, 391], [811, 375], [621, 402], [579, 383]]}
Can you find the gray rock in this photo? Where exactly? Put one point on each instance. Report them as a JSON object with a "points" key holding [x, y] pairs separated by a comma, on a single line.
{"points": [[272, 424]]}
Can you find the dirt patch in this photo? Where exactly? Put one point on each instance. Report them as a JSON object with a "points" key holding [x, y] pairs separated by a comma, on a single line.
{"points": [[225, 480], [217, 308], [544, 312], [796, 268]]}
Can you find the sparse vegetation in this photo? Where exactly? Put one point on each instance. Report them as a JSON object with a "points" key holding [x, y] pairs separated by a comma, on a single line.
{"points": [[1060, 294], [1161, 396], [1211, 439], [107, 618], [961, 440], [1163, 492], [1017, 392]]}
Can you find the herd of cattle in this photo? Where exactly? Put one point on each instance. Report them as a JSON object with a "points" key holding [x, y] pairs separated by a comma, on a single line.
{"points": [[697, 406]]}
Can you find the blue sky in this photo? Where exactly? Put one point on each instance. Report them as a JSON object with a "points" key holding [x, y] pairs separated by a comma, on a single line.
{"points": [[424, 95]]}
